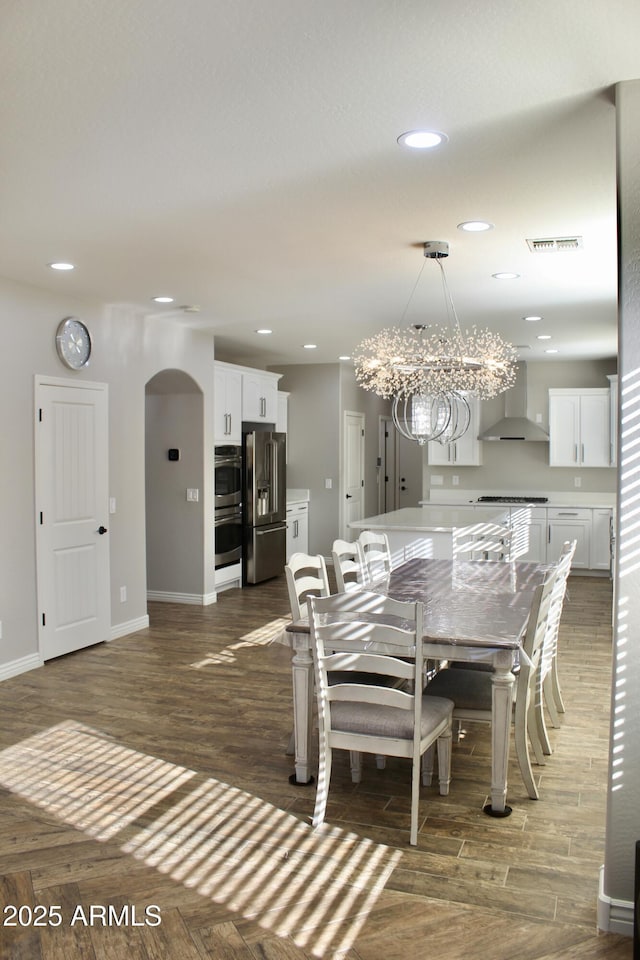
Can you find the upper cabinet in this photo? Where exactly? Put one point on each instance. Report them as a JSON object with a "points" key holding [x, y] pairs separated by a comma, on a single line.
{"points": [[242, 394], [260, 396], [465, 452], [227, 399], [579, 428], [613, 417]]}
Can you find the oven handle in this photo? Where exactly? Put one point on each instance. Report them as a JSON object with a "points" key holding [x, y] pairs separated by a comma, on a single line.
{"points": [[225, 521], [228, 462]]}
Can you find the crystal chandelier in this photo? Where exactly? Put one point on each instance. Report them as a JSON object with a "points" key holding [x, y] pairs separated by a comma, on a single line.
{"points": [[429, 370]]}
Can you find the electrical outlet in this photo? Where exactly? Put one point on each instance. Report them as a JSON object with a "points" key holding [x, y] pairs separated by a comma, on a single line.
{"points": [[193, 494], [112, 504], [123, 594], [328, 483], [577, 481]]}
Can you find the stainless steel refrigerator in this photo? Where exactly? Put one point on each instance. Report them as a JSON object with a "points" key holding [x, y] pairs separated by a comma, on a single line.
{"points": [[264, 499]]}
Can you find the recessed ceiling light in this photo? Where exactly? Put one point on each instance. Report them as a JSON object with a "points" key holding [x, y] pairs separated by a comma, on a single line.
{"points": [[61, 266], [344, 357], [551, 350], [162, 299], [544, 336], [310, 346], [505, 276], [532, 319], [475, 226], [264, 331], [422, 139]]}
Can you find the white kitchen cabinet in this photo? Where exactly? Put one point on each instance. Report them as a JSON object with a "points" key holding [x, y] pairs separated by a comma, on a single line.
{"points": [[579, 428], [465, 452], [613, 418], [297, 527], [601, 533], [529, 536], [259, 396], [227, 402], [567, 523]]}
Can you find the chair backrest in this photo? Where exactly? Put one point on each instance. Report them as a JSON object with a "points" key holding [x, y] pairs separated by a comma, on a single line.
{"points": [[534, 639], [375, 556], [306, 576], [482, 541], [344, 627], [346, 564], [563, 568]]}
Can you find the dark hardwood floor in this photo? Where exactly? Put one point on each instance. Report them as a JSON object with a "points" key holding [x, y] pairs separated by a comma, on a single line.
{"points": [[146, 779]]}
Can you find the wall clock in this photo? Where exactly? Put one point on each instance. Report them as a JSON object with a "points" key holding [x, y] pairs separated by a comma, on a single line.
{"points": [[73, 343]]}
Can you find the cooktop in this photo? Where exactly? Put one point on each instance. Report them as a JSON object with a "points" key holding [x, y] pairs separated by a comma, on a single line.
{"points": [[513, 499]]}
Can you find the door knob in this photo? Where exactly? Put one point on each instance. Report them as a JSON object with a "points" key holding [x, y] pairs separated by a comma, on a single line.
{"points": [[102, 530], [348, 496]]}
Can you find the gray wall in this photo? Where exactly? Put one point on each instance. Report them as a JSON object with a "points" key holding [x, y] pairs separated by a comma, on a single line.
{"points": [[319, 395], [129, 348], [175, 527], [518, 466]]}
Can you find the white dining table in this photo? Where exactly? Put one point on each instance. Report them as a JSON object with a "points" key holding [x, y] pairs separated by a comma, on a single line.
{"points": [[473, 611]]}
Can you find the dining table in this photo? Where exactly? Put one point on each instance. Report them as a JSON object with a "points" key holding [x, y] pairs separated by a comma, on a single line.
{"points": [[474, 611]]}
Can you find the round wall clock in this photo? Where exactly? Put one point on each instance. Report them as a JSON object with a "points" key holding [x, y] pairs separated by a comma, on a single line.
{"points": [[73, 343]]}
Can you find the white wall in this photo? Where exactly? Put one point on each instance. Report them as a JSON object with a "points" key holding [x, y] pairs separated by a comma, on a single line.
{"points": [[129, 349]]}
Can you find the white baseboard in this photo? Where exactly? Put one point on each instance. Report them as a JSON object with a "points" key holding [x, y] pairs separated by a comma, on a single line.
{"points": [[129, 626], [164, 596], [22, 665], [614, 916]]}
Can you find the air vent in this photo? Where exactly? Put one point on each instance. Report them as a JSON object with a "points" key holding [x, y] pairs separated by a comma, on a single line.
{"points": [[554, 244]]}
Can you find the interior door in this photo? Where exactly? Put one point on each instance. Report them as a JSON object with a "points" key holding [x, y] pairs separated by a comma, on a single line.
{"points": [[72, 542], [409, 471], [353, 456]]}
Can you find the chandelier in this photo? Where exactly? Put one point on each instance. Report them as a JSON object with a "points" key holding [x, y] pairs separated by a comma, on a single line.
{"points": [[430, 370]]}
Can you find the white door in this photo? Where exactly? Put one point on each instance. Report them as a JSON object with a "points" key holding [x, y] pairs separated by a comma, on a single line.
{"points": [[72, 540], [353, 474]]}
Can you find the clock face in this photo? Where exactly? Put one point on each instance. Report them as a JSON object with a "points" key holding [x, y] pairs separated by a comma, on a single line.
{"points": [[73, 342]]}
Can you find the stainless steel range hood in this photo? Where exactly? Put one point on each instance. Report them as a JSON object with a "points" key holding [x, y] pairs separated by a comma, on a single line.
{"points": [[515, 425]]}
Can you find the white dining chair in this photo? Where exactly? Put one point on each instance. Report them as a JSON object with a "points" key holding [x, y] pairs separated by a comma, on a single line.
{"points": [[375, 556], [482, 541], [548, 692], [355, 712], [306, 576], [346, 565], [471, 690]]}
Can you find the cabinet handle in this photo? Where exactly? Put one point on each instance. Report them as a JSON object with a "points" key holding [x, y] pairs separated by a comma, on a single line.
{"points": [[582, 453], [567, 514], [549, 534], [295, 528], [575, 453]]}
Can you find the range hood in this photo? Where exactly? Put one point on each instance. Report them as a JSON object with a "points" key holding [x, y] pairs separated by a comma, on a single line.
{"points": [[515, 424]]}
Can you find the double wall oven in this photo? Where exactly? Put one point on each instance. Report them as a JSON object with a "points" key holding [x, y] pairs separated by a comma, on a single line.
{"points": [[228, 505]]}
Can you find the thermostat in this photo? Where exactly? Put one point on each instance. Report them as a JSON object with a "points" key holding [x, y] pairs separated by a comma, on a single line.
{"points": [[174, 453]]}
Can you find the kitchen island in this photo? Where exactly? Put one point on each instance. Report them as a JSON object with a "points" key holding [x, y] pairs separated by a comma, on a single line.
{"points": [[427, 531]]}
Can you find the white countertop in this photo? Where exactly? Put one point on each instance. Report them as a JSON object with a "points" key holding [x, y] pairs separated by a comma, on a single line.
{"points": [[554, 499], [430, 518]]}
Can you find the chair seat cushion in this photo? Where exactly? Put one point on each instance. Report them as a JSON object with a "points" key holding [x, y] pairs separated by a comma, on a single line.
{"points": [[469, 689], [381, 721]]}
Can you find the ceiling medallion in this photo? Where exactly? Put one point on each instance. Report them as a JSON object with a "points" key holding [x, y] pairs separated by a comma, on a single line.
{"points": [[428, 370]]}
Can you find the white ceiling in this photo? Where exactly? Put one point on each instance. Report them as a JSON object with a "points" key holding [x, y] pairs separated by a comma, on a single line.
{"points": [[241, 156]]}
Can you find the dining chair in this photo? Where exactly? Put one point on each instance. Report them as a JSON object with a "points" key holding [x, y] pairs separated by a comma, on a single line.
{"points": [[482, 541], [375, 556], [471, 690], [359, 635], [346, 565], [306, 576], [547, 691]]}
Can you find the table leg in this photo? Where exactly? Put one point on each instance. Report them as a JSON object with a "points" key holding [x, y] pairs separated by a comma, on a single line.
{"points": [[302, 679], [503, 684]]}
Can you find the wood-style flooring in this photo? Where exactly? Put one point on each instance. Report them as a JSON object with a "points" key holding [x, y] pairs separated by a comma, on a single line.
{"points": [[147, 779]]}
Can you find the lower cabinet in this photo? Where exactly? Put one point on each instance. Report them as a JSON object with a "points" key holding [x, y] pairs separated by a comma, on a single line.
{"points": [[570, 524], [297, 527]]}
